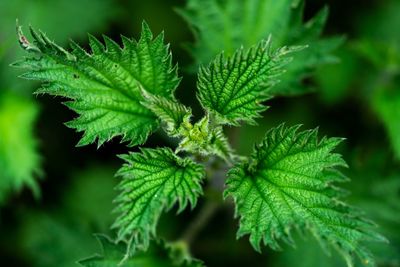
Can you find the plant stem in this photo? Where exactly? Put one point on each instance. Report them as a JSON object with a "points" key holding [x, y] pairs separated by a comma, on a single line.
{"points": [[234, 135], [200, 221], [211, 205]]}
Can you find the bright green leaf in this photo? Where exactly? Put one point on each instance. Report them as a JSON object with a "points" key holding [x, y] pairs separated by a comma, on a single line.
{"points": [[233, 88], [105, 85], [288, 184], [153, 180], [19, 159]]}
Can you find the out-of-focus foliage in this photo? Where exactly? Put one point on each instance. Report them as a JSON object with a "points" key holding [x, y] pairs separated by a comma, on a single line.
{"points": [[333, 80], [383, 55], [369, 68], [158, 255], [376, 189], [60, 18], [386, 103], [380, 23], [229, 25], [379, 45], [89, 196], [48, 240], [308, 250], [62, 235], [19, 159]]}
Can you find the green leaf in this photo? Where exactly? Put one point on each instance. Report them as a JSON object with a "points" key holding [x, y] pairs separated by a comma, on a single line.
{"points": [[233, 88], [228, 25], [288, 183], [19, 158], [105, 85], [158, 255], [153, 180], [171, 113]]}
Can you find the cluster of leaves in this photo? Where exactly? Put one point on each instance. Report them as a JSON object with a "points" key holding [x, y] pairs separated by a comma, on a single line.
{"points": [[287, 183], [127, 90]]}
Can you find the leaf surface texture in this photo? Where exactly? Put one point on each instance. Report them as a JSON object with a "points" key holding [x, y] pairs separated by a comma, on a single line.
{"points": [[288, 183], [153, 181], [104, 85]]}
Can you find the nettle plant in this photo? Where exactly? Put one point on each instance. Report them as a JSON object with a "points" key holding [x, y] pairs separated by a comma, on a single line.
{"points": [[288, 183]]}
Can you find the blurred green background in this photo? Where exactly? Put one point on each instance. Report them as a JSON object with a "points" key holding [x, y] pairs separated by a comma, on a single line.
{"points": [[54, 196]]}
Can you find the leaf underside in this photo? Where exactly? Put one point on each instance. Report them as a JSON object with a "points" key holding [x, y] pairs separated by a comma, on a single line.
{"points": [[153, 180], [104, 85], [288, 184]]}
